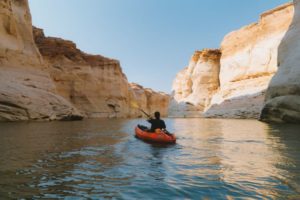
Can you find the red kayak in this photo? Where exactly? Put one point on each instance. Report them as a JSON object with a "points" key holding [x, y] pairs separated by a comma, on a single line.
{"points": [[157, 137]]}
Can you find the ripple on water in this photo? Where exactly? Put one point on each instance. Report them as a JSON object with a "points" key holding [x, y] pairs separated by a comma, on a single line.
{"points": [[213, 159]]}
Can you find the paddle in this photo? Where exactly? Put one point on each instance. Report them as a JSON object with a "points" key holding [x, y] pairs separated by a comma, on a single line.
{"points": [[135, 105]]}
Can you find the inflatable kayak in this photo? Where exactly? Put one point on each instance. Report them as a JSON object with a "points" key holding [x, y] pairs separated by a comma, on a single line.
{"points": [[158, 137]]}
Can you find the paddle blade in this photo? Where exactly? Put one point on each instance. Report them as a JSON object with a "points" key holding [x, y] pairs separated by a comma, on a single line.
{"points": [[134, 104]]}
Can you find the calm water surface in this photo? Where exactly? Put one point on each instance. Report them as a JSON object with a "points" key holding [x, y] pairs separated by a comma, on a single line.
{"points": [[101, 159]]}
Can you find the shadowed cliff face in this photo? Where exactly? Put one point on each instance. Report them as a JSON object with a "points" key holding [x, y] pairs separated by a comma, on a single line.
{"points": [[246, 66], [283, 94], [26, 89]]}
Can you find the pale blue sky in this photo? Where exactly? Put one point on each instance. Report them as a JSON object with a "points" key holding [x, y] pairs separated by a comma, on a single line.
{"points": [[153, 39]]}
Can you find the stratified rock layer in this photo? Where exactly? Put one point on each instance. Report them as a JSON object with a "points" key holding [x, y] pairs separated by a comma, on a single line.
{"points": [[283, 94], [57, 81], [94, 84], [26, 89], [149, 100], [247, 64], [194, 86]]}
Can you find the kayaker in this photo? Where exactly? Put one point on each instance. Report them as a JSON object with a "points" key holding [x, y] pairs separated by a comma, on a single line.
{"points": [[156, 123]]}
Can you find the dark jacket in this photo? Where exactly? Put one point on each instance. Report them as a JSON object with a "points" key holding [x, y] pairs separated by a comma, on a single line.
{"points": [[156, 123]]}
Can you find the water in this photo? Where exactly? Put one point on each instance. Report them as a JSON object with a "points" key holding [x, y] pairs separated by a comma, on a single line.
{"points": [[101, 159]]}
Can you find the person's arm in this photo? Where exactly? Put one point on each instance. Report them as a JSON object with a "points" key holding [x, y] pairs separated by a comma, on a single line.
{"points": [[163, 124], [150, 120]]}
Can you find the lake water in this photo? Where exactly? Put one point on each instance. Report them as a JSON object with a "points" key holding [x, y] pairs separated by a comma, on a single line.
{"points": [[101, 159]]}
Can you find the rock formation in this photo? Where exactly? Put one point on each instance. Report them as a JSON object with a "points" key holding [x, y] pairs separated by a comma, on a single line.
{"points": [[194, 85], [149, 100], [94, 84], [247, 64], [46, 78], [283, 94], [26, 89]]}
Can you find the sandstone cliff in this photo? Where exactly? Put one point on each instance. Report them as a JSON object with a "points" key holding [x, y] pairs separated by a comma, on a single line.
{"points": [[94, 84], [26, 89], [247, 64], [149, 100], [283, 94], [194, 86], [46, 78]]}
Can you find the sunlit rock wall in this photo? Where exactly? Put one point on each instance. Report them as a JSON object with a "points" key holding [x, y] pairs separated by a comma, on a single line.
{"points": [[195, 85], [95, 84], [283, 94], [149, 101], [26, 89], [248, 62], [241, 75]]}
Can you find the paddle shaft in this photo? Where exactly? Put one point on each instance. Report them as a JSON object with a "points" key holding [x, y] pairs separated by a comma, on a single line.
{"points": [[145, 113]]}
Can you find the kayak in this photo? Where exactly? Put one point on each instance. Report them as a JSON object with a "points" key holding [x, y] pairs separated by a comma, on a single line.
{"points": [[157, 137]]}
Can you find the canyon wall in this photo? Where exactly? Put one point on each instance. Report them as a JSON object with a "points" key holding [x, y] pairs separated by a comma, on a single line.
{"points": [[247, 64], [283, 94], [149, 100], [95, 85], [47, 78], [92, 83], [195, 85], [26, 89]]}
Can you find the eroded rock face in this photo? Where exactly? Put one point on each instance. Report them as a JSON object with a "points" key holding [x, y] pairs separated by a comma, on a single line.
{"points": [[149, 100], [283, 94], [248, 62], [26, 89], [17, 47], [95, 84], [55, 80], [194, 86]]}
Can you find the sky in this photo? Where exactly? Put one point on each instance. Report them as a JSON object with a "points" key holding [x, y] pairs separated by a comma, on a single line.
{"points": [[152, 39]]}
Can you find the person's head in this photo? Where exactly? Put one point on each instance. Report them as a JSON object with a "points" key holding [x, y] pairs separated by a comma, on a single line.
{"points": [[157, 115]]}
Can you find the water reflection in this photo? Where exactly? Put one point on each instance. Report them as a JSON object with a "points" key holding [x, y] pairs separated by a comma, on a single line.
{"points": [[248, 162], [243, 154], [289, 149], [96, 159], [57, 157]]}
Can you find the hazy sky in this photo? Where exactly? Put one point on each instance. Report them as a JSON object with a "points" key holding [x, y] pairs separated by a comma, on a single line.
{"points": [[153, 39]]}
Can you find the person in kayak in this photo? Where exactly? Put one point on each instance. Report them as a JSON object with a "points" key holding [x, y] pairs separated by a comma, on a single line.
{"points": [[156, 123]]}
